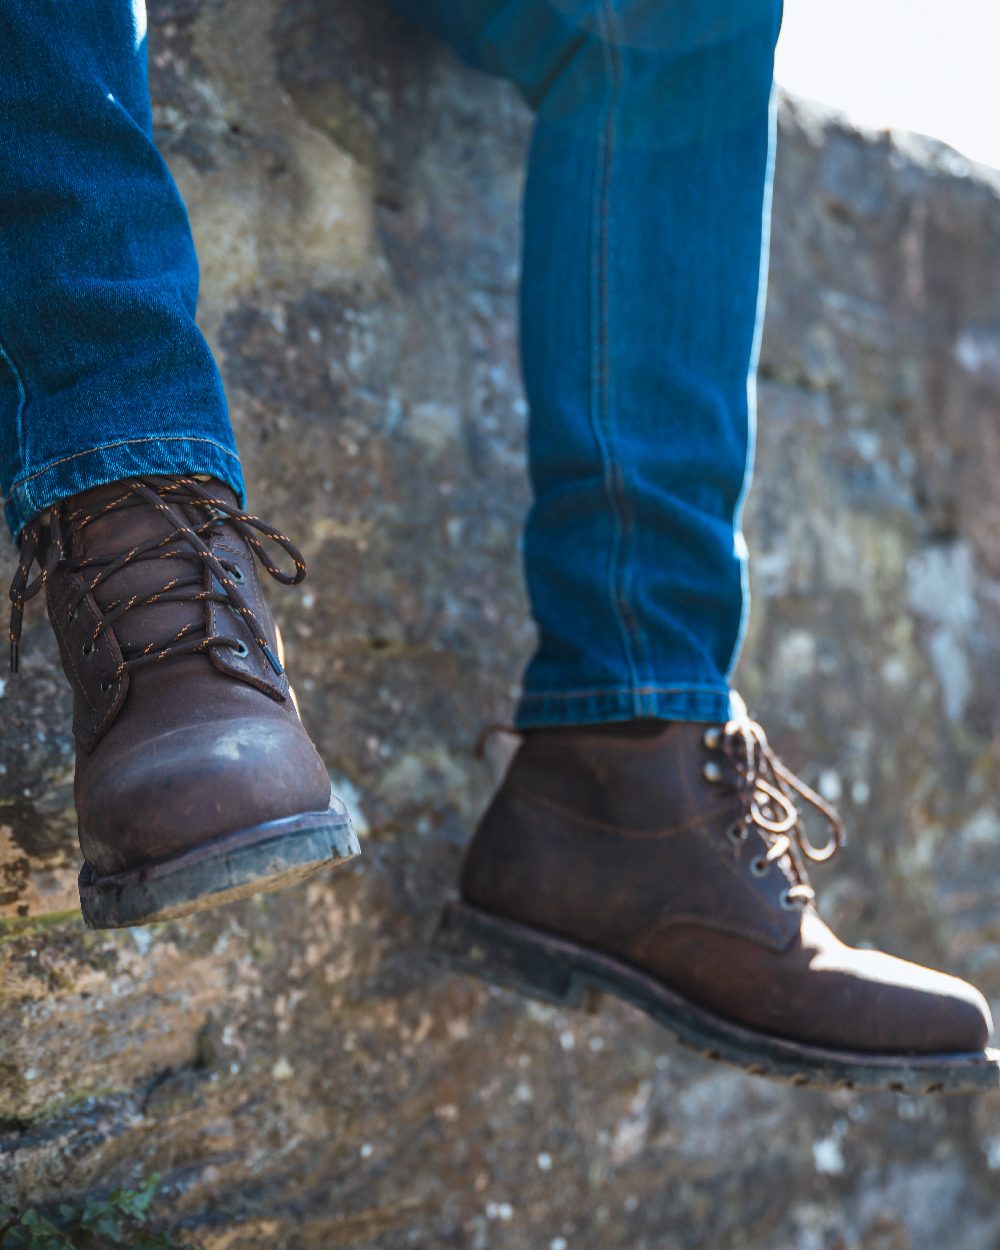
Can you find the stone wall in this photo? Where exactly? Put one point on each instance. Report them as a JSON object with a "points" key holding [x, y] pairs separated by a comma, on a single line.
{"points": [[295, 1067]]}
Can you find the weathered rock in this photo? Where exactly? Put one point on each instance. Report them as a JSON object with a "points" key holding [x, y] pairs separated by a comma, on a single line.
{"points": [[294, 1066]]}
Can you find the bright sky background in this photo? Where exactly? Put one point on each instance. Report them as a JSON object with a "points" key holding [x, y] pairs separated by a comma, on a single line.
{"points": [[927, 65]]}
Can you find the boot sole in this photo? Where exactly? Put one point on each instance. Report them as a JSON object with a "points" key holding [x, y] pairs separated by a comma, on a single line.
{"points": [[257, 860], [558, 971]]}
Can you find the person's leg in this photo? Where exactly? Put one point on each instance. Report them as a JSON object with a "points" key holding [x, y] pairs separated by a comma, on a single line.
{"points": [[103, 372], [644, 214], [639, 315], [195, 779], [666, 863]]}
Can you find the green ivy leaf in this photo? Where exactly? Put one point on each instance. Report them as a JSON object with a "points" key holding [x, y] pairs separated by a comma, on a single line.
{"points": [[44, 1234], [39, 1224], [108, 1225], [96, 1209], [100, 1224], [135, 1203], [12, 1233]]}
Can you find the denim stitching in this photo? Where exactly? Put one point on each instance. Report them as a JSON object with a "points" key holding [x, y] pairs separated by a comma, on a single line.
{"points": [[625, 568], [618, 690], [600, 333], [713, 708], [618, 484], [123, 442]]}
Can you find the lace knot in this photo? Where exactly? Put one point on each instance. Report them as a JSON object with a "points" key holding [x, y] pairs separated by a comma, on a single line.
{"points": [[769, 790], [191, 510]]}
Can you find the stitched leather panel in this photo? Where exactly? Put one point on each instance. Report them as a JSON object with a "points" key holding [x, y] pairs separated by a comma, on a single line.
{"points": [[89, 665]]}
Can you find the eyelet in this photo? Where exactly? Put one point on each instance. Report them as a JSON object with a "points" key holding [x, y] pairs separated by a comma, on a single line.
{"points": [[710, 738], [241, 651], [787, 902], [71, 616], [737, 832], [106, 685], [711, 771], [87, 648], [236, 573], [760, 866]]}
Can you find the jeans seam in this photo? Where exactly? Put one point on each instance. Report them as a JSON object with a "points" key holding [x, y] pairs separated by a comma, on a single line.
{"points": [[122, 442], [600, 345], [538, 708], [615, 690]]}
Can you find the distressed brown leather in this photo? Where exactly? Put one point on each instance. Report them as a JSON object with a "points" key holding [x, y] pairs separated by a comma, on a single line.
{"points": [[172, 754], [622, 845]]}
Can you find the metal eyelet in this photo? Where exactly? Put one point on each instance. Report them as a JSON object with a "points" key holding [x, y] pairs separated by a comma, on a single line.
{"points": [[710, 738], [241, 651], [71, 616], [789, 903], [87, 648], [711, 771], [737, 832], [760, 866], [106, 685], [236, 573]]}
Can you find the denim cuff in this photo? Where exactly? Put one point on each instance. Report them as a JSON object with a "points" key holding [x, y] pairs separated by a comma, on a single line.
{"points": [[592, 707], [169, 455]]}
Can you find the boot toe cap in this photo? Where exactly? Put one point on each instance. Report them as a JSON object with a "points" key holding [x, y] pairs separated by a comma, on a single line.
{"points": [[901, 1007], [163, 796]]}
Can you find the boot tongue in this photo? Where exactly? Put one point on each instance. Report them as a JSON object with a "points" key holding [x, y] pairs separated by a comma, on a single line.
{"points": [[133, 524]]}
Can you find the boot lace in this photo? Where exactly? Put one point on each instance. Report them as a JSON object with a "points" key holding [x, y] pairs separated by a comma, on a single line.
{"points": [[768, 792], [193, 511]]}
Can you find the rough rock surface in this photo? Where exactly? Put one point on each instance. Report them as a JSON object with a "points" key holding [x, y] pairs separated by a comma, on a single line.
{"points": [[294, 1066]]}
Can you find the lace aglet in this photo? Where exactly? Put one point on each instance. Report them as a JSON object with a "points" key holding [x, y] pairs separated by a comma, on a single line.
{"points": [[273, 660], [15, 656]]}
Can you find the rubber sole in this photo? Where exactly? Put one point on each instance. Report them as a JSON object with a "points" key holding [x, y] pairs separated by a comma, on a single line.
{"points": [[554, 970], [250, 861]]}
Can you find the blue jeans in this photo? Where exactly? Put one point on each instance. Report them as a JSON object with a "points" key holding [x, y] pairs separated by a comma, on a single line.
{"points": [[645, 227]]}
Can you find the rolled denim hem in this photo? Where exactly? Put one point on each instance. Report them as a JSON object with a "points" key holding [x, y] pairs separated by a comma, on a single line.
{"points": [[112, 462], [591, 707]]}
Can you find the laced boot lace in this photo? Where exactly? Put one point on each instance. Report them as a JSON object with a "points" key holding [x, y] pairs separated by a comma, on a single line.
{"points": [[191, 510], [766, 789]]}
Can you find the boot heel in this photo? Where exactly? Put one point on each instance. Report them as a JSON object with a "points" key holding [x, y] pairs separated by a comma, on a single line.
{"points": [[508, 954]]}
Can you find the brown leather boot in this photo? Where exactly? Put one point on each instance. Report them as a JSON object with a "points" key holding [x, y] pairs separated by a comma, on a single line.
{"points": [[671, 870], [196, 782]]}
